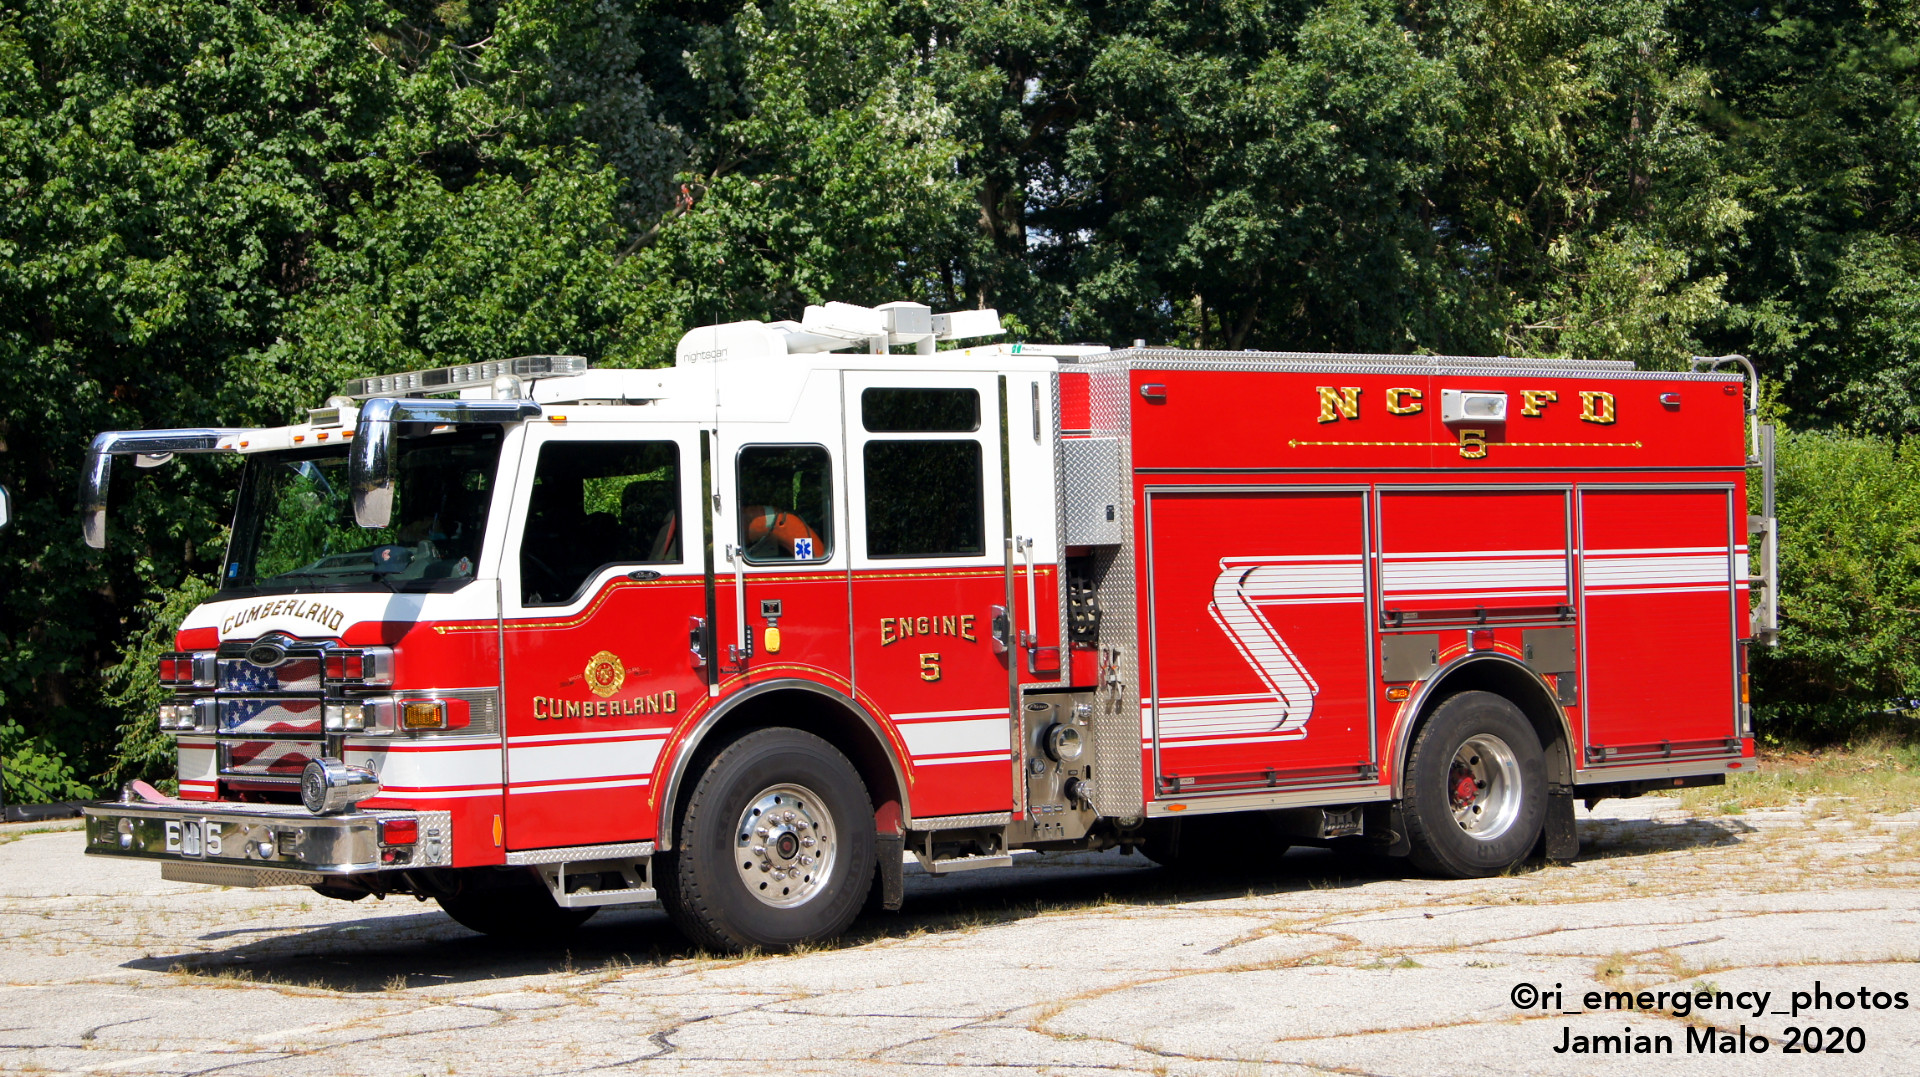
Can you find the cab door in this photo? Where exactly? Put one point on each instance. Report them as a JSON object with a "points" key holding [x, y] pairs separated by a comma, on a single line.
{"points": [[927, 536], [600, 588]]}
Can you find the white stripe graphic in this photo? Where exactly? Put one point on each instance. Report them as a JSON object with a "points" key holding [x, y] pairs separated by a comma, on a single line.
{"points": [[559, 762], [606, 735], [479, 766], [1609, 571], [988, 758], [439, 794], [915, 716], [945, 738], [1241, 582], [1399, 574], [572, 787]]}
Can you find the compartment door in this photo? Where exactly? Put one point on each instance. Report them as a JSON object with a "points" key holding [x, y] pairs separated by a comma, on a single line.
{"points": [[1261, 653], [1474, 556], [1661, 620]]}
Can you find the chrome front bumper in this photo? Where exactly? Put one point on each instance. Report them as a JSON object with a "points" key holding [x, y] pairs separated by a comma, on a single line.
{"points": [[230, 844]]}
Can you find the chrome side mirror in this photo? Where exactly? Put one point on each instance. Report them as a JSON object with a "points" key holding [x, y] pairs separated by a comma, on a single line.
{"points": [[370, 464], [152, 447]]}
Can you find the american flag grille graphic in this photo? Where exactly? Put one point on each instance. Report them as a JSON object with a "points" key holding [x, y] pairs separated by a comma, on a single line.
{"points": [[241, 677], [269, 758], [271, 717], [258, 720]]}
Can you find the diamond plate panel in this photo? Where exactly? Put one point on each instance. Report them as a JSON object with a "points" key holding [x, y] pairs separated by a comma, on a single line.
{"points": [[1116, 708], [1321, 362], [1093, 492], [963, 822]]}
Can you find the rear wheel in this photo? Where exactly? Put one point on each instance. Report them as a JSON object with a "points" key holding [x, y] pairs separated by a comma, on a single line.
{"points": [[520, 913], [1476, 787], [775, 847]]}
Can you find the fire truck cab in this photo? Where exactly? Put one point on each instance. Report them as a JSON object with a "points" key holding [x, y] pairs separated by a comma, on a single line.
{"points": [[746, 634]]}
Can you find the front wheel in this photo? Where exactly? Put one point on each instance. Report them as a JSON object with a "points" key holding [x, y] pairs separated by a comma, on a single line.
{"points": [[1476, 788], [775, 848]]}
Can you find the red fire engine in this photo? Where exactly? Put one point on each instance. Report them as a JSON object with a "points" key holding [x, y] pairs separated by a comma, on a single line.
{"points": [[743, 635]]}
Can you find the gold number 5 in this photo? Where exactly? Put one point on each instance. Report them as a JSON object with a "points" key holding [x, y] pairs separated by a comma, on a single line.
{"points": [[930, 667]]}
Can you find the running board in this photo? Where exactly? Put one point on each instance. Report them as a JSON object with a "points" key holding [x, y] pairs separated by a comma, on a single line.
{"points": [[967, 863], [580, 899]]}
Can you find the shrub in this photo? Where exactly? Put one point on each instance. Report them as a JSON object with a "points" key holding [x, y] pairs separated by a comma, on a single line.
{"points": [[1849, 650]]}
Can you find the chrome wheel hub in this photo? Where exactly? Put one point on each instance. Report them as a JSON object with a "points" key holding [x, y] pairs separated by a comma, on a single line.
{"points": [[784, 846], [1483, 787]]}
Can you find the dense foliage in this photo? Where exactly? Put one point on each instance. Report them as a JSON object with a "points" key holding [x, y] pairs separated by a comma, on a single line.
{"points": [[216, 211]]}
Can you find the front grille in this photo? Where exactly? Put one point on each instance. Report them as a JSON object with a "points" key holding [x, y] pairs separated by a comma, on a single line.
{"points": [[268, 719], [271, 717], [267, 759]]}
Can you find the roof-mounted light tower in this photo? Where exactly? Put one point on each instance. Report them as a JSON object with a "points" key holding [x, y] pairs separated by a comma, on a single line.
{"points": [[837, 327], [452, 379]]}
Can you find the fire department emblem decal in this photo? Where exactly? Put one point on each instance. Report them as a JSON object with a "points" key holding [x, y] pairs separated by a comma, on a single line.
{"points": [[605, 674]]}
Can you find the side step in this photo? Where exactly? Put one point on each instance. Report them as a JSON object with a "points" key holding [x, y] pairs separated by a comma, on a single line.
{"points": [[583, 882], [968, 863]]}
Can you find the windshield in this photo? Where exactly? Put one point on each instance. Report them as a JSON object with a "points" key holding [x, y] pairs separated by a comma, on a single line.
{"points": [[295, 527]]}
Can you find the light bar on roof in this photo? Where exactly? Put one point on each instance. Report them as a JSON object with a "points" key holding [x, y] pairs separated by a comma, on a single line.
{"points": [[449, 379]]}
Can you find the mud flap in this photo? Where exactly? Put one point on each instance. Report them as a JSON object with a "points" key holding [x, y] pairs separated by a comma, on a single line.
{"points": [[1562, 836], [1386, 829], [890, 850]]}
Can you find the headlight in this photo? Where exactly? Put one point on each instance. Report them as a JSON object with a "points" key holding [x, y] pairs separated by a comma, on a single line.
{"points": [[344, 718]]}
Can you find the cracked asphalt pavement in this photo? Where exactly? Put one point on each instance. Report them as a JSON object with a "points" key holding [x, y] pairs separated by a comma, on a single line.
{"points": [[1306, 963]]}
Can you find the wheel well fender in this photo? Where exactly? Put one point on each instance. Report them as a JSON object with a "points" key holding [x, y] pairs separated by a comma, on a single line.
{"points": [[1506, 677], [798, 704]]}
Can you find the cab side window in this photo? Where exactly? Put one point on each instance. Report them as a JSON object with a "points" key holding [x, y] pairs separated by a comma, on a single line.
{"points": [[594, 504], [925, 496], [786, 503]]}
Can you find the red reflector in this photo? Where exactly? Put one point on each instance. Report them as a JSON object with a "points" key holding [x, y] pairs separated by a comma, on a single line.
{"points": [[1482, 639], [399, 831]]}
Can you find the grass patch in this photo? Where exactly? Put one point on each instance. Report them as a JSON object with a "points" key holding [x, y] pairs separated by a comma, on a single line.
{"points": [[1881, 774], [13, 834]]}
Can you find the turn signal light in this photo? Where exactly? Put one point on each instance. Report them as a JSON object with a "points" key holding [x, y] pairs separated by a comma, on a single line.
{"points": [[1746, 688], [423, 714]]}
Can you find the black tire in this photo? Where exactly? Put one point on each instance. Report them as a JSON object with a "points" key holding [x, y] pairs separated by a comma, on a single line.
{"points": [[1212, 846], [515, 913], [1470, 812], [705, 883]]}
